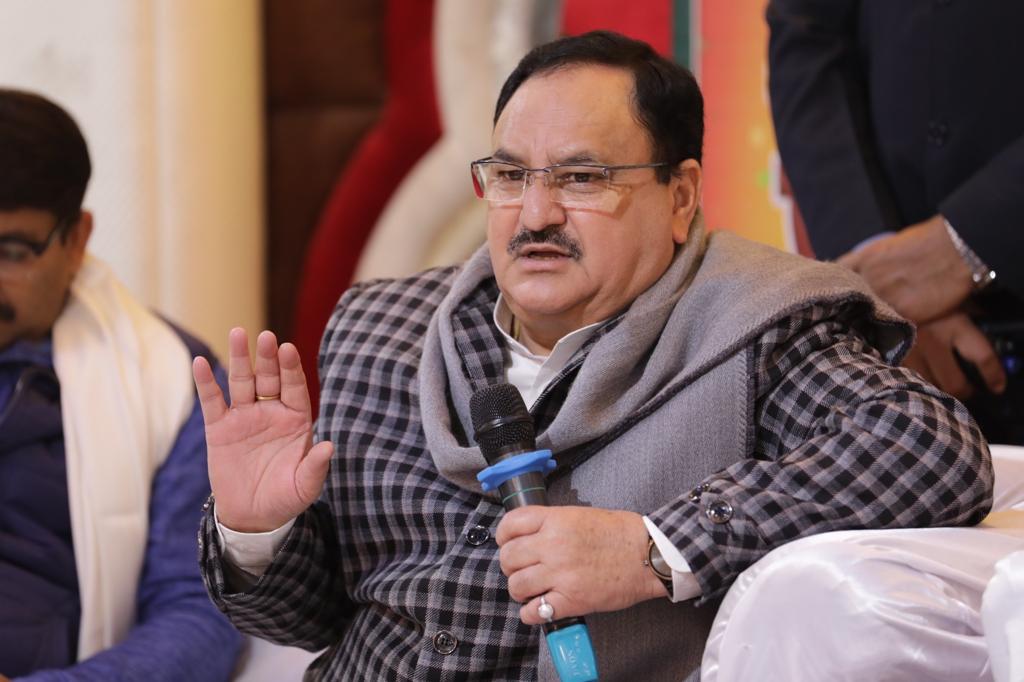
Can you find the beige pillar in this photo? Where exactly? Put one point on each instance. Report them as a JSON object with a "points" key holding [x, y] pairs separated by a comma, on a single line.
{"points": [[168, 95]]}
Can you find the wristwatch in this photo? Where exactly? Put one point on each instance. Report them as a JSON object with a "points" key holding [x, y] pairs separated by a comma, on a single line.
{"points": [[981, 274], [658, 565]]}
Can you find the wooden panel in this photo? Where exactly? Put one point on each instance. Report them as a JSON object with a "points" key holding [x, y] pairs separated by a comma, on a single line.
{"points": [[324, 85]]}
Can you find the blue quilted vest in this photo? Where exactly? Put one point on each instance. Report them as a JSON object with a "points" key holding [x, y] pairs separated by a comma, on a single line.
{"points": [[39, 602]]}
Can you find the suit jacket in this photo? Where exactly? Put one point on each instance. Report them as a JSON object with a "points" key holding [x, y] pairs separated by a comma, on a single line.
{"points": [[789, 420], [890, 112]]}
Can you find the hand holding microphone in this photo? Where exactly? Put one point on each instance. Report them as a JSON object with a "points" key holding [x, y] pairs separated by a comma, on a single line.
{"points": [[504, 431]]}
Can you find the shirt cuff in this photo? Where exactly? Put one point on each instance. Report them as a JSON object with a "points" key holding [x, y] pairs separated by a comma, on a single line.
{"points": [[871, 240], [251, 552], [684, 584]]}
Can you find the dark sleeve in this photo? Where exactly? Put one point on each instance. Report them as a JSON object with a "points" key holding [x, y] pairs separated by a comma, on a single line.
{"points": [[841, 441], [987, 211], [178, 634], [300, 600], [818, 100]]}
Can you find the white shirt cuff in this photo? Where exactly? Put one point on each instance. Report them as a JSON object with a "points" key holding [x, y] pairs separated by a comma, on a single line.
{"points": [[871, 240], [684, 584], [250, 552]]}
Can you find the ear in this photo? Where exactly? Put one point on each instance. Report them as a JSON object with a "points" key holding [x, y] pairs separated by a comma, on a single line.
{"points": [[77, 239], [687, 180]]}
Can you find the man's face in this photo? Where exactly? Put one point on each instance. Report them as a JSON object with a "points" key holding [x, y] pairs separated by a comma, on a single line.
{"points": [[32, 293], [590, 263]]}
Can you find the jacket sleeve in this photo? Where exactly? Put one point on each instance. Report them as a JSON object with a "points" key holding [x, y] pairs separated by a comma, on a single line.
{"points": [[300, 600], [178, 634], [841, 440], [819, 108], [818, 92], [987, 211]]}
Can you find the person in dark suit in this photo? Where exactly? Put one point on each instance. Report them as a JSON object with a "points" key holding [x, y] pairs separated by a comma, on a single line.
{"points": [[901, 129]]}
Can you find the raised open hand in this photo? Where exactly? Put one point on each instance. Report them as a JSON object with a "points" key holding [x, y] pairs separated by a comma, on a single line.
{"points": [[264, 469]]}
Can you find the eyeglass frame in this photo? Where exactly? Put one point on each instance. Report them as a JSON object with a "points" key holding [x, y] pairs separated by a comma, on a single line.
{"points": [[480, 190], [38, 248]]}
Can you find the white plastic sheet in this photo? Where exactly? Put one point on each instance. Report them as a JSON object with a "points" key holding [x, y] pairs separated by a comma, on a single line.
{"points": [[877, 605]]}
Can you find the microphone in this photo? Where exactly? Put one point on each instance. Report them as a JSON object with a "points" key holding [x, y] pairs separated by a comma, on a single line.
{"points": [[503, 429]]}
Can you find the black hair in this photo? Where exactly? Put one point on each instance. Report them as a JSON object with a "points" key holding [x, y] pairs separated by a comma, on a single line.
{"points": [[44, 161], [667, 101]]}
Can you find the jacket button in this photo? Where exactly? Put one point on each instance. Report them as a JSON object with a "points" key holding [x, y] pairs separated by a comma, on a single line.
{"points": [[719, 511], [694, 495], [445, 642], [938, 133], [478, 535]]}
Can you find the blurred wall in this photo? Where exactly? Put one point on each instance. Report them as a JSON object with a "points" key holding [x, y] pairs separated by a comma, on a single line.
{"points": [[180, 98], [168, 94], [325, 86]]}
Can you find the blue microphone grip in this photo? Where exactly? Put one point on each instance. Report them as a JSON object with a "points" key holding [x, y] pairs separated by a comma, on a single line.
{"points": [[572, 652], [520, 481]]}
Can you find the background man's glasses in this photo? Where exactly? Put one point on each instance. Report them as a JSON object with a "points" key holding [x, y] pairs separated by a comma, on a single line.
{"points": [[578, 185], [18, 254]]}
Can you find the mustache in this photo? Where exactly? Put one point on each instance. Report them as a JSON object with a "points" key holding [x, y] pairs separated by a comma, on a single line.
{"points": [[7, 313], [551, 235]]}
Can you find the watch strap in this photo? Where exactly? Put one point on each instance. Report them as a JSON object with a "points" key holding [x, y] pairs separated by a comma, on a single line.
{"points": [[981, 274]]}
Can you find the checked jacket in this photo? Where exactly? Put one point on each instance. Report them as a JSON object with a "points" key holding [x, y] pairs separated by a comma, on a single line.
{"points": [[394, 572]]}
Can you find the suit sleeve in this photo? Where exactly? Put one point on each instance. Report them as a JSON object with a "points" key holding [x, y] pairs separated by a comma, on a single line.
{"points": [[842, 440], [818, 101], [300, 600], [987, 211], [178, 634]]}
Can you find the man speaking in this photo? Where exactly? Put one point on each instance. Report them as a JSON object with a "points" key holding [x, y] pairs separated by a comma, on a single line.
{"points": [[706, 398]]}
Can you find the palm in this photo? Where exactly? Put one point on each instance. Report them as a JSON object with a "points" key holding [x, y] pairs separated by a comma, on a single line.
{"points": [[263, 469], [254, 452]]}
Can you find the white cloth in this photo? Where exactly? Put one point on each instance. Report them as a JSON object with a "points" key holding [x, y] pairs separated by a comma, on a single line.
{"points": [[126, 390], [870, 605], [1002, 614], [262, 661], [1002, 611]]}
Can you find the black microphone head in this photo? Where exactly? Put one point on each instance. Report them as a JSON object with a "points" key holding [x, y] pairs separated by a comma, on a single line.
{"points": [[501, 422]]}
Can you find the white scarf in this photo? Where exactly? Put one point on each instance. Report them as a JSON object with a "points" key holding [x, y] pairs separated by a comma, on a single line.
{"points": [[125, 391]]}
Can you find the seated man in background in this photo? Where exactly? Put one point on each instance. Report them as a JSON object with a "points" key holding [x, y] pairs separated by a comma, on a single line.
{"points": [[102, 458], [707, 399]]}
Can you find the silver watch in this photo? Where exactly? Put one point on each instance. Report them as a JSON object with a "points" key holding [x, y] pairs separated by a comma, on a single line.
{"points": [[981, 274], [658, 564]]}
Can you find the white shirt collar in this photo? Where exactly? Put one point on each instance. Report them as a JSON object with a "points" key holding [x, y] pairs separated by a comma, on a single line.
{"points": [[529, 372]]}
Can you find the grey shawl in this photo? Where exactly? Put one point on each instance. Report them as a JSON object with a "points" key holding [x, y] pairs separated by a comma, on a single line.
{"points": [[718, 294]]}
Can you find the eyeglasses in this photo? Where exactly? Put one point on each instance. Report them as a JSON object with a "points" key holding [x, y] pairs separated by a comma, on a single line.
{"points": [[575, 185], [17, 254]]}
